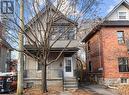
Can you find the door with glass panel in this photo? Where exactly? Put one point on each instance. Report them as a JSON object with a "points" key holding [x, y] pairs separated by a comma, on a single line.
{"points": [[68, 67]]}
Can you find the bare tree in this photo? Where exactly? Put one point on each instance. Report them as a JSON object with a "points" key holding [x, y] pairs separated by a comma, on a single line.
{"points": [[41, 28]]}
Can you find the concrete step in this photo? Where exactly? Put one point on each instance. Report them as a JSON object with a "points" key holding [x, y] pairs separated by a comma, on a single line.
{"points": [[70, 80], [70, 83], [70, 86]]}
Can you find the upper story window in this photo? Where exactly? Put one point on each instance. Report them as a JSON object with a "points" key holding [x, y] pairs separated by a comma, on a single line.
{"points": [[122, 15], [70, 34], [120, 35], [123, 64], [63, 33]]}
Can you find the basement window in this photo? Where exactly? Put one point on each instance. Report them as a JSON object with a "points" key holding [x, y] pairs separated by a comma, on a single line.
{"points": [[124, 80]]}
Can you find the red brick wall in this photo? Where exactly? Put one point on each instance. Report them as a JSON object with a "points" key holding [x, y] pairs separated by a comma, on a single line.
{"points": [[107, 54], [112, 51], [95, 53], [0, 30]]}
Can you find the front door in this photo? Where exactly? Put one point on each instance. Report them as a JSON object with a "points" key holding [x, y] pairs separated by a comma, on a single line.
{"points": [[68, 67]]}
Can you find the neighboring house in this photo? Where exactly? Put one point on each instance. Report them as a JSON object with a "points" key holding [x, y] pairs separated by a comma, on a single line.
{"points": [[107, 48], [63, 70], [5, 52]]}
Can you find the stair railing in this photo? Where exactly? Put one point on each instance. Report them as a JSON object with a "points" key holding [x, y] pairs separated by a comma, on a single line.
{"points": [[63, 79]]}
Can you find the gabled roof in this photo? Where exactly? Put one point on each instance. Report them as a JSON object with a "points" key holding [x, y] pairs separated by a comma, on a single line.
{"points": [[90, 34], [40, 13], [65, 18], [106, 23], [123, 2]]}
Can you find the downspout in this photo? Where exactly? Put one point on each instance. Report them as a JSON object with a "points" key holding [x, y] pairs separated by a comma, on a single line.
{"points": [[100, 65], [101, 53]]}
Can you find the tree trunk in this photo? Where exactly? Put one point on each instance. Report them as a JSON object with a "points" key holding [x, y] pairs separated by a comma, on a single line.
{"points": [[21, 54], [44, 77]]}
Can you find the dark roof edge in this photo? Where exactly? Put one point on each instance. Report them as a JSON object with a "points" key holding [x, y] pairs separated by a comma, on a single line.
{"points": [[93, 31], [105, 24]]}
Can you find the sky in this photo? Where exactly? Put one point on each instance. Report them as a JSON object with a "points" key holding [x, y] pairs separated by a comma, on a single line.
{"points": [[107, 6]]}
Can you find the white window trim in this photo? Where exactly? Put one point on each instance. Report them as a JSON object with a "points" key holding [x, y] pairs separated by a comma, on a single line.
{"points": [[118, 15], [124, 83]]}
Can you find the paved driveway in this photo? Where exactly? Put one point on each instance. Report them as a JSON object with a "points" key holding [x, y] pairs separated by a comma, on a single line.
{"points": [[100, 90]]}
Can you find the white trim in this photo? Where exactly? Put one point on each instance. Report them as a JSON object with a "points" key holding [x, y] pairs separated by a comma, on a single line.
{"points": [[114, 9], [124, 83], [68, 74], [118, 15]]}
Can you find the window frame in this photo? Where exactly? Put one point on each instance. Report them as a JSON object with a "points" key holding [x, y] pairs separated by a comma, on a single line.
{"points": [[123, 65], [70, 34], [123, 80], [121, 15], [90, 66], [123, 39], [38, 66]]}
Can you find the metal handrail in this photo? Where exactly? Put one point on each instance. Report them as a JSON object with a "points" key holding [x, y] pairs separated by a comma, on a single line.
{"points": [[63, 78]]}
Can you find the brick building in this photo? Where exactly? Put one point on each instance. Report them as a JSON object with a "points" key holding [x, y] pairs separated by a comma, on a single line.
{"points": [[107, 48]]}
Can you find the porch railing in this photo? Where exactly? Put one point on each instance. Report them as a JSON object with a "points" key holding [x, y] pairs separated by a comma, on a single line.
{"points": [[51, 73]]}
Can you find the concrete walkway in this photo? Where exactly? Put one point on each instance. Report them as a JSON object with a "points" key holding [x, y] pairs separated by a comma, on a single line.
{"points": [[101, 90], [94, 90], [65, 93]]}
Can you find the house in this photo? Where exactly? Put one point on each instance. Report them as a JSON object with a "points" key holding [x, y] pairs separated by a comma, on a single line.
{"points": [[62, 72], [107, 48], [5, 52]]}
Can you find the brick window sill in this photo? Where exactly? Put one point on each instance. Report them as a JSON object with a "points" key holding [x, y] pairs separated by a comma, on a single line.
{"points": [[123, 72]]}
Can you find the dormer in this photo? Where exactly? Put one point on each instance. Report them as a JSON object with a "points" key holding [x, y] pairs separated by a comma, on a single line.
{"points": [[120, 12]]}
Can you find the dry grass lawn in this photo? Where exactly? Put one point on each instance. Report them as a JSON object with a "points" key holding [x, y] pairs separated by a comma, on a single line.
{"points": [[123, 90], [55, 91]]}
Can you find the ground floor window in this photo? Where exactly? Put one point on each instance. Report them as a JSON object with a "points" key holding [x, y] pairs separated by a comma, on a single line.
{"points": [[124, 80], [39, 65], [90, 67], [123, 64]]}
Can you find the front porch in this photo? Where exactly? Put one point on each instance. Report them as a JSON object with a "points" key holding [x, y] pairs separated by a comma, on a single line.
{"points": [[57, 72]]}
